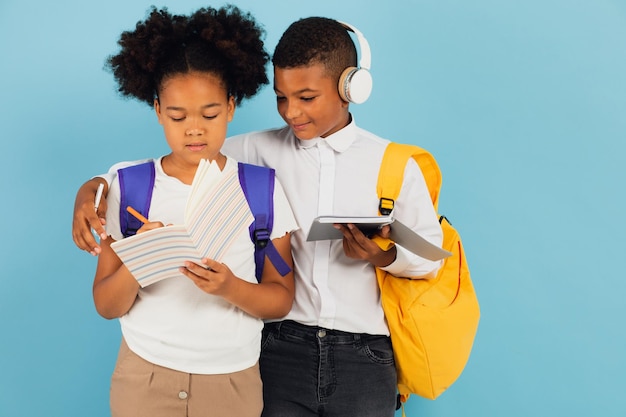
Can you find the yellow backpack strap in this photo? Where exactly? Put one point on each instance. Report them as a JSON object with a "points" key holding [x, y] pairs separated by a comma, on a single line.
{"points": [[392, 169], [390, 179]]}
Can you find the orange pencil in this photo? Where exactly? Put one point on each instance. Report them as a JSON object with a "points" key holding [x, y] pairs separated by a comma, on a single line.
{"points": [[137, 215]]}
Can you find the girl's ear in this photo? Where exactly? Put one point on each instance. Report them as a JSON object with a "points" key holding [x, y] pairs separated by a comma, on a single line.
{"points": [[231, 108], [157, 109]]}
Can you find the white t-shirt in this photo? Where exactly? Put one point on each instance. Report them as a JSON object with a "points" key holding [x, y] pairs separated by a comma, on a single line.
{"points": [[173, 323]]}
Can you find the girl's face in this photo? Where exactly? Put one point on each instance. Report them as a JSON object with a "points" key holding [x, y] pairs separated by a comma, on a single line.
{"points": [[194, 110], [308, 100]]}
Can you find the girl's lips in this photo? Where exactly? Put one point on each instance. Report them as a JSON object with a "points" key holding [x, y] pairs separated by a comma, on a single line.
{"points": [[196, 147]]}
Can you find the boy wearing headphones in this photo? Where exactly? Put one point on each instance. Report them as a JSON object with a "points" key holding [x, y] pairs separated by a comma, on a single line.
{"points": [[331, 355]]}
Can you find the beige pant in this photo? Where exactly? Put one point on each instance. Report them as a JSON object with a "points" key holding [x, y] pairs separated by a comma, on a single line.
{"points": [[142, 389]]}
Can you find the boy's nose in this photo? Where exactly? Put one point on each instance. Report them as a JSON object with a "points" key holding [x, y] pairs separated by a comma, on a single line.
{"points": [[292, 111]]}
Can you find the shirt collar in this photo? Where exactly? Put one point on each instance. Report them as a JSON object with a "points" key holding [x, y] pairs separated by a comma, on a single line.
{"points": [[338, 141]]}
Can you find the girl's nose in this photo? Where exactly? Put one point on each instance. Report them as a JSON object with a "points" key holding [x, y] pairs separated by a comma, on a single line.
{"points": [[194, 131]]}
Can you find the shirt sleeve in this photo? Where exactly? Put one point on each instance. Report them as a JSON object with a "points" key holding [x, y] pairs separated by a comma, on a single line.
{"points": [[113, 227], [284, 220], [236, 147], [111, 175], [243, 148], [414, 208]]}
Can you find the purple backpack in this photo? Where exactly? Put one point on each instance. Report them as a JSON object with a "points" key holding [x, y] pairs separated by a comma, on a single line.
{"points": [[257, 183]]}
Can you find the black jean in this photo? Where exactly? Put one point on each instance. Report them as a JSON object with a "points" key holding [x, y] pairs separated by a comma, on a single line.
{"points": [[311, 371]]}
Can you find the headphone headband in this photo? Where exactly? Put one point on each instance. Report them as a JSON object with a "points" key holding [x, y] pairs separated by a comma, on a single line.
{"points": [[355, 83], [364, 46]]}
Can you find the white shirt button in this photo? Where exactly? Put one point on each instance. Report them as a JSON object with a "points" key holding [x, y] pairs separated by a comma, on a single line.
{"points": [[182, 395]]}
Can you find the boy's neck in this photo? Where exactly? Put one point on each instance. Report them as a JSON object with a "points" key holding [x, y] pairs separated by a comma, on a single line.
{"points": [[346, 124]]}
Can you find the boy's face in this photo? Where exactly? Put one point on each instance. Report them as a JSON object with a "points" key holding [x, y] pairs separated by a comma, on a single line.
{"points": [[308, 101]]}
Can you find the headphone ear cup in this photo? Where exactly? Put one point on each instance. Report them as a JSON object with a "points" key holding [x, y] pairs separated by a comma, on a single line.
{"points": [[344, 83], [355, 85]]}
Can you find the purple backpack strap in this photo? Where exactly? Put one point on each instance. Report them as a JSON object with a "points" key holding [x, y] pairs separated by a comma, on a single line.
{"points": [[136, 185], [257, 184]]}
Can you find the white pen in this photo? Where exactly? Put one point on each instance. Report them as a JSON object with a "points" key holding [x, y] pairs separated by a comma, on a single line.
{"points": [[98, 196]]}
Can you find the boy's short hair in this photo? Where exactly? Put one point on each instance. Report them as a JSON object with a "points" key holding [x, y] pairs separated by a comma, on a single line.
{"points": [[316, 40]]}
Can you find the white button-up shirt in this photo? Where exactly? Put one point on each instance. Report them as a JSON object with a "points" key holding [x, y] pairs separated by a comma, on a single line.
{"points": [[337, 175]]}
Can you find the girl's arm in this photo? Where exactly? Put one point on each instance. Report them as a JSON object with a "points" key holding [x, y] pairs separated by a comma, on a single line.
{"points": [[271, 298], [114, 287]]}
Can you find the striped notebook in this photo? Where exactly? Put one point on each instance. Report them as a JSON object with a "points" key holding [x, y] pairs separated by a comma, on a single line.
{"points": [[216, 207]]}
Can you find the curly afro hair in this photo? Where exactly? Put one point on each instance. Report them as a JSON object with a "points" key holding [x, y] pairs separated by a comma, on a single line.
{"points": [[316, 40], [225, 42]]}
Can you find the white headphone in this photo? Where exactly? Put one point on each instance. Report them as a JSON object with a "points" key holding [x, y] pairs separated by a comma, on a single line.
{"points": [[355, 84]]}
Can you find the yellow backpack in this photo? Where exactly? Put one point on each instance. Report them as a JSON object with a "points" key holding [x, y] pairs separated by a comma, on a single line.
{"points": [[432, 322]]}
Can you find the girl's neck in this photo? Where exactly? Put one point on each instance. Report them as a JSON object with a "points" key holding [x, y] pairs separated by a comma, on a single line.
{"points": [[184, 171]]}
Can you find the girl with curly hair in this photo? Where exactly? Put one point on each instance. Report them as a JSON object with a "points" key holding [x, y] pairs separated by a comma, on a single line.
{"points": [[191, 343]]}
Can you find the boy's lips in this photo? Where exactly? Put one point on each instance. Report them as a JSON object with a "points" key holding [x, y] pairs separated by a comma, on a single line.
{"points": [[299, 126]]}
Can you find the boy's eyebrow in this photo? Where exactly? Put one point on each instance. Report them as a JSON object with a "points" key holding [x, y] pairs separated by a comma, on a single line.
{"points": [[304, 90]]}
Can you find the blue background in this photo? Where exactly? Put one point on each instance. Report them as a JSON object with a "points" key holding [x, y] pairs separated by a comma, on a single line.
{"points": [[523, 103]]}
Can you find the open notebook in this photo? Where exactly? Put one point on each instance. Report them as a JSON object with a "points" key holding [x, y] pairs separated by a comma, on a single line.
{"points": [[216, 207], [322, 229]]}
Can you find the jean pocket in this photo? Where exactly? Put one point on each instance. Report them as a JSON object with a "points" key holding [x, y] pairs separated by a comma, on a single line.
{"points": [[266, 338], [378, 349]]}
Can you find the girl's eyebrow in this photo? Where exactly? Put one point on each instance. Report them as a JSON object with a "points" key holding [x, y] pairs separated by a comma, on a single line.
{"points": [[206, 106]]}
